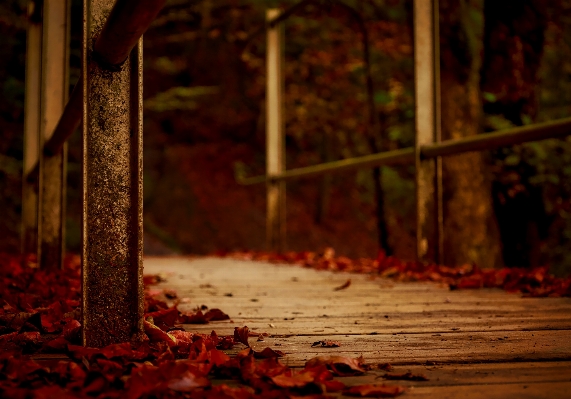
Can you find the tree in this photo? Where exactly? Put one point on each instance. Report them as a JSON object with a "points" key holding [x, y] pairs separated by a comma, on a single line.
{"points": [[471, 231]]}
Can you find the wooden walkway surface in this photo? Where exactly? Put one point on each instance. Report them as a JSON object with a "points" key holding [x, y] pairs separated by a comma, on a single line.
{"points": [[469, 343]]}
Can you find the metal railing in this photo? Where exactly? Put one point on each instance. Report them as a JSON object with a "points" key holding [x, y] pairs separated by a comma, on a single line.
{"points": [[108, 99], [487, 141], [426, 154]]}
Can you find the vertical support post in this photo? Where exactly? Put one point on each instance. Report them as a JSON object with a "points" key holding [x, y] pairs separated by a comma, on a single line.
{"points": [[112, 226], [429, 230], [32, 129], [52, 172], [275, 139]]}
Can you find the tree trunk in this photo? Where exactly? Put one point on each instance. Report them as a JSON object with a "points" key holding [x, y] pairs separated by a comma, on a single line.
{"points": [[470, 228], [514, 42]]}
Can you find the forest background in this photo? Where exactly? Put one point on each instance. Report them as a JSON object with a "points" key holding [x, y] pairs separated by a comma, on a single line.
{"points": [[503, 64]]}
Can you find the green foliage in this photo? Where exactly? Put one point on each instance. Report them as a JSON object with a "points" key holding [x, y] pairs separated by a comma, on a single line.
{"points": [[179, 98]]}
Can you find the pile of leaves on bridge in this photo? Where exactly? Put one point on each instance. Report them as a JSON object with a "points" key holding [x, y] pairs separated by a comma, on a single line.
{"points": [[536, 282], [40, 313]]}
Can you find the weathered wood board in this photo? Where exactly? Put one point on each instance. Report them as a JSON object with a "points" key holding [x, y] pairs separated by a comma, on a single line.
{"points": [[469, 343]]}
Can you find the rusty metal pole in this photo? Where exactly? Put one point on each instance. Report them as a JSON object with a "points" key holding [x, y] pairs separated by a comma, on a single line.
{"points": [[112, 249], [31, 129], [429, 222], [275, 139], [52, 182]]}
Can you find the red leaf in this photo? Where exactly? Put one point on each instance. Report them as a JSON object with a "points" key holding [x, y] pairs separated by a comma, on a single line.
{"points": [[58, 344], [218, 358], [373, 390], [151, 279], [157, 335], [241, 335], [78, 352], [164, 318], [333, 385], [71, 330], [195, 318], [216, 315], [291, 380], [123, 351], [341, 366], [187, 382], [267, 353], [69, 370]]}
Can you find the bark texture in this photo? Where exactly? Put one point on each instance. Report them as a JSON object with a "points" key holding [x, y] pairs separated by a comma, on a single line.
{"points": [[514, 41], [471, 232]]}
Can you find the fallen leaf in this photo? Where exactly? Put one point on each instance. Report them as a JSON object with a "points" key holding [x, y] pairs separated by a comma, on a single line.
{"points": [[241, 334], [292, 380], [164, 318], [267, 353], [71, 330], [155, 334], [326, 344], [216, 315], [343, 286], [188, 381], [339, 365]]}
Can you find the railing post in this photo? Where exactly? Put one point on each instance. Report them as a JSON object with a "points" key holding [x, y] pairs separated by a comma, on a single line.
{"points": [[275, 139], [112, 307], [31, 129], [55, 60], [429, 230]]}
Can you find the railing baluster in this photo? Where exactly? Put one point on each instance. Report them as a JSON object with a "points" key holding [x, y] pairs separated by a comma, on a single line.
{"points": [[52, 182], [31, 129], [112, 190], [275, 139], [427, 122]]}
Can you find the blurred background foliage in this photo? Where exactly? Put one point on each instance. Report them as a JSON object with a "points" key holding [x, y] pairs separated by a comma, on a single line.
{"points": [[204, 114]]}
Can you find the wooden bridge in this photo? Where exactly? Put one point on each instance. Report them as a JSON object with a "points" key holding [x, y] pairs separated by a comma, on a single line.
{"points": [[481, 343], [468, 343]]}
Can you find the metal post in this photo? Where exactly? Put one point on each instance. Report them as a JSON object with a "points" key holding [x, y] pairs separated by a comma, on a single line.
{"points": [[31, 129], [429, 228], [112, 189], [55, 60], [275, 139]]}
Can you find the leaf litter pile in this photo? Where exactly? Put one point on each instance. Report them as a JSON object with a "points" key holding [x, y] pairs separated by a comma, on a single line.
{"points": [[535, 282], [40, 315]]}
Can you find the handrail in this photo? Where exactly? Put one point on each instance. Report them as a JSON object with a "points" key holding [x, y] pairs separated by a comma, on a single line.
{"points": [[402, 156], [487, 141], [501, 138], [127, 22]]}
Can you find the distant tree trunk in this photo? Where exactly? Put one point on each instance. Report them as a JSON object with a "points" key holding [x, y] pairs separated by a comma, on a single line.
{"points": [[514, 42], [470, 227]]}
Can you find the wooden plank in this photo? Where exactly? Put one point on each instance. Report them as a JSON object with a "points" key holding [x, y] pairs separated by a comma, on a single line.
{"points": [[421, 348], [425, 321], [340, 325], [472, 374], [261, 290], [551, 390]]}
